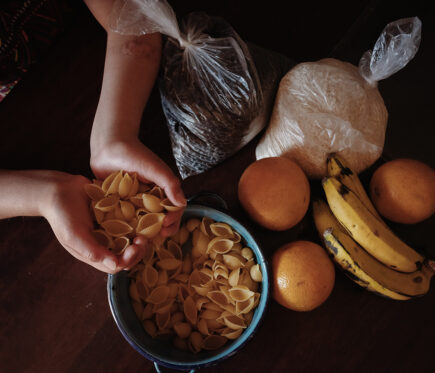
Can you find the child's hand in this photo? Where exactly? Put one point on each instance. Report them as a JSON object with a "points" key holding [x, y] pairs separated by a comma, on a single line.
{"points": [[66, 207], [133, 156]]}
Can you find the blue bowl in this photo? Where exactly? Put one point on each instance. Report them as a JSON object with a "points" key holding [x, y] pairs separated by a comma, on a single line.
{"points": [[163, 352]]}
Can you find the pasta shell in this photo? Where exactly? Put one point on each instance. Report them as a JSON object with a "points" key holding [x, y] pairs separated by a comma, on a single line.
{"points": [[149, 276], [94, 192], [247, 281], [156, 191], [203, 327], [125, 186], [110, 215], [158, 295], [192, 224], [236, 238], [221, 230], [231, 334], [245, 306], [114, 185], [98, 215], [147, 312], [151, 203], [255, 273], [138, 309], [195, 342], [213, 342], [163, 307], [205, 226], [183, 292], [107, 203], [247, 253], [233, 321], [183, 235], [200, 302], [233, 261], [141, 289], [148, 254], [169, 264], [183, 329], [116, 228], [132, 290], [202, 291], [190, 310], [174, 249], [182, 277], [212, 306], [137, 200], [150, 225], [218, 297], [208, 314], [108, 181], [127, 209], [162, 278], [103, 238], [162, 320], [233, 278], [177, 317], [120, 244], [150, 328], [173, 289], [163, 253], [118, 213], [240, 293], [169, 206], [133, 223], [220, 245], [206, 276]]}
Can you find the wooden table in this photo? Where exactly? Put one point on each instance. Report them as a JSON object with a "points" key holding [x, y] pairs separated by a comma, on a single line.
{"points": [[54, 314]]}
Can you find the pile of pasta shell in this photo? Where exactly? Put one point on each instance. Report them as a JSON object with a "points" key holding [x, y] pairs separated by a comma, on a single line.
{"points": [[123, 208], [203, 298]]}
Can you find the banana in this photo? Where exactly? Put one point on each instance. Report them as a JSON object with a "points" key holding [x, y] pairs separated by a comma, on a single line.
{"points": [[366, 229], [337, 167], [363, 268]]}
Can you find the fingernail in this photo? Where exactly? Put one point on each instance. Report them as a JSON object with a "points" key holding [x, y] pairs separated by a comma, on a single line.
{"points": [[181, 199], [129, 253], [110, 263]]}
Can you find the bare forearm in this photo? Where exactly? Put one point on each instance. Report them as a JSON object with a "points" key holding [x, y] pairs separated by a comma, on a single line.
{"points": [[23, 193], [131, 66], [130, 71]]}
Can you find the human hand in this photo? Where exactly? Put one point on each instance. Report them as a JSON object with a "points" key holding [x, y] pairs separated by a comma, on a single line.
{"points": [[132, 156], [66, 207]]}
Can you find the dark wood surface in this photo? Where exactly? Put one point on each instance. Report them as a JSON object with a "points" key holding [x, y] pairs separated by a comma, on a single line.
{"points": [[54, 314]]}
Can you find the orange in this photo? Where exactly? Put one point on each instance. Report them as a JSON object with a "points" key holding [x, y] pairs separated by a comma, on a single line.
{"points": [[274, 192], [403, 191], [303, 275]]}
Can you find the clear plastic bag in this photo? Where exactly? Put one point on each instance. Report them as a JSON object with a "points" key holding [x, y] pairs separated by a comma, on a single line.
{"points": [[211, 92], [332, 106]]}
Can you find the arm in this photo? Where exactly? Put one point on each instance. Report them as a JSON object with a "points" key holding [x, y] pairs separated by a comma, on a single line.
{"points": [[130, 70], [61, 199]]}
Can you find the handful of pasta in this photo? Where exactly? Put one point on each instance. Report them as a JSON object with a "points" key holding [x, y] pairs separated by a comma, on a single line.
{"points": [[203, 298], [123, 207]]}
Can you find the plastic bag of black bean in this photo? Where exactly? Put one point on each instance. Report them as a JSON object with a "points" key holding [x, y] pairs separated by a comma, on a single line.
{"points": [[214, 95]]}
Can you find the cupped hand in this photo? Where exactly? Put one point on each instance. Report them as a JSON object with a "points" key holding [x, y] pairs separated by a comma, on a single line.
{"points": [[133, 156], [67, 211]]}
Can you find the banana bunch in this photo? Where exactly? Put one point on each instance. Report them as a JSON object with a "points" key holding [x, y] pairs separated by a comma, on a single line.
{"points": [[362, 244]]}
